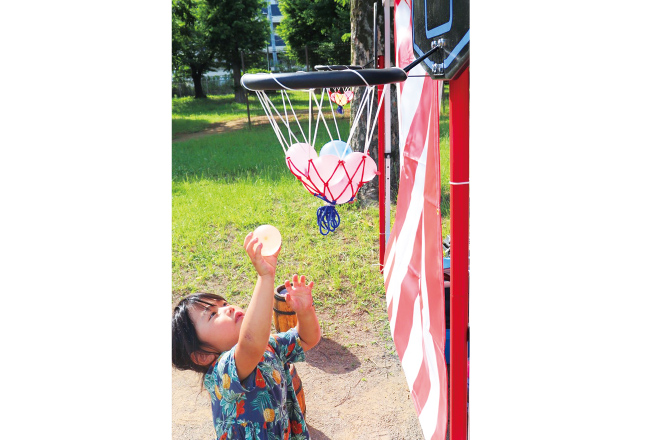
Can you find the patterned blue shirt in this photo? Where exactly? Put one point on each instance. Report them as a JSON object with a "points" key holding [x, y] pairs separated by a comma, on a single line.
{"points": [[263, 406]]}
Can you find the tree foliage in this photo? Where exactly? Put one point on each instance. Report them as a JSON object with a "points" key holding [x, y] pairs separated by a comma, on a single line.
{"points": [[192, 55], [207, 34], [237, 25], [323, 25]]}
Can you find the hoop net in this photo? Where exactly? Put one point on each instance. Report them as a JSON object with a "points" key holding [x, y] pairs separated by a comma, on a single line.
{"points": [[337, 173]]}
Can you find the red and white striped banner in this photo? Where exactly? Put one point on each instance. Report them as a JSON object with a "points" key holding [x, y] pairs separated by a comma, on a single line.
{"points": [[413, 268]]}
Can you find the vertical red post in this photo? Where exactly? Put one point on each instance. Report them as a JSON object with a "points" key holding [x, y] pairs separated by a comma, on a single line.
{"points": [[381, 167], [459, 154]]}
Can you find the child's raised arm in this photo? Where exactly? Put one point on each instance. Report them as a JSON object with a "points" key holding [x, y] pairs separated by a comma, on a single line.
{"points": [[299, 298], [256, 326]]}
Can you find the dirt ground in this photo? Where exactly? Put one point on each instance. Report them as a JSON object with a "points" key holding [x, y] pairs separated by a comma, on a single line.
{"points": [[221, 127], [354, 389]]}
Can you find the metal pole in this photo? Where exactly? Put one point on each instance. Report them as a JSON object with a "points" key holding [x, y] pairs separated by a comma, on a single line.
{"points": [[386, 113], [382, 181], [382, 170], [246, 93], [459, 155], [421, 58], [374, 41], [271, 32]]}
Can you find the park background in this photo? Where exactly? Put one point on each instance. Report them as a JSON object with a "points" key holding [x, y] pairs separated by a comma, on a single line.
{"points": [[569, 237]]}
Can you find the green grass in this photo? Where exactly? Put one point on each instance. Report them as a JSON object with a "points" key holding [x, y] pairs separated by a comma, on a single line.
{"points": [[445, 165], [225, 185], [190, 115]]}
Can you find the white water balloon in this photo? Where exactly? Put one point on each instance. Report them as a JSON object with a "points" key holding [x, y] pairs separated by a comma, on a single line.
{"points": [[270, 237]]}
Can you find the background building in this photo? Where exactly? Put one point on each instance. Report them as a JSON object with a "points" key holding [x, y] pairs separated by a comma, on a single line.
{"points": [[276, 44]]}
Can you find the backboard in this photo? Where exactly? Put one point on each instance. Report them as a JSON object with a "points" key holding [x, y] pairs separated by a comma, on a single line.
{"points": [[444, 22]]}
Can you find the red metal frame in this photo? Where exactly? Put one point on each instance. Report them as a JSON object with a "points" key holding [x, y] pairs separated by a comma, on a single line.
{"points": [[459, 155], [382, 170]]}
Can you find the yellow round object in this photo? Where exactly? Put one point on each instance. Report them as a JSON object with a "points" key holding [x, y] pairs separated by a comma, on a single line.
{"points": [[269, 415]]}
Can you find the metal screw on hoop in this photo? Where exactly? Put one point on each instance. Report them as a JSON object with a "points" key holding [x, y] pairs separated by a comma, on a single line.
{"points": [[441, 42], [438, 67]]}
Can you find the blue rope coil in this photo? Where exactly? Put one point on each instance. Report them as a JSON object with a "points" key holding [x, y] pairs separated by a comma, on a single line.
{"points": [[328, 219], [327, 216]]}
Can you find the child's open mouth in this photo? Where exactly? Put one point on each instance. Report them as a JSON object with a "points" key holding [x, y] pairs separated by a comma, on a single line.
{"points": [[238, 316]]}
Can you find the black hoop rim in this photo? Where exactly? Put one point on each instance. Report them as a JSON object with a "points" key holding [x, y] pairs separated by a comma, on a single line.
{"points": [[323, 79]]}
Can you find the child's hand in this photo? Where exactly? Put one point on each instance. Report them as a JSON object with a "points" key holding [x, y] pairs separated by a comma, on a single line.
{"points": [[263, 265], [298, 296]]}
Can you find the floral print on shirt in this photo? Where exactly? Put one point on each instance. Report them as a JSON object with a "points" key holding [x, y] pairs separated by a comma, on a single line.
{"points": [[264, 405]]}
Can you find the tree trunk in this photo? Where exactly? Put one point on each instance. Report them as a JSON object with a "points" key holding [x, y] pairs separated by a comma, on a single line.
{"points": [[239, 90], [197, 83], [362, 52]]}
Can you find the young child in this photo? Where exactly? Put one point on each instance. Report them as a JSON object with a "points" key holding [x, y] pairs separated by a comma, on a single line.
{"points": [[245, 369]]}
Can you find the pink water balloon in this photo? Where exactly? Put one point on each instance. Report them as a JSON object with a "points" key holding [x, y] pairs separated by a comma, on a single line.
{"points": [[354, 166], [341, 192], [326, 169], [299, 155]]}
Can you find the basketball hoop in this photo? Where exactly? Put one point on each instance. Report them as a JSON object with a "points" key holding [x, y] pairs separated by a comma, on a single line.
{"points": [[337, 173]]}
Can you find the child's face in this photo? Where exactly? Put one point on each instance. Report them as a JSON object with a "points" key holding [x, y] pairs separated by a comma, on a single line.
{"points": [[217, 325]]}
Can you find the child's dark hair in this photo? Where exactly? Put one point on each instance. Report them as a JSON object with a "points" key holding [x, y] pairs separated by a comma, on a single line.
{"points": [[184, 337]]}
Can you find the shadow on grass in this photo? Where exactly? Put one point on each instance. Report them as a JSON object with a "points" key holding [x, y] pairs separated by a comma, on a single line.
{"points": [[190, 115], [226, 105], [213, 104], [190, 125]]}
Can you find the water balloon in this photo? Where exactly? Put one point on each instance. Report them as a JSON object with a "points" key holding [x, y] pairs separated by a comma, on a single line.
{"points": [[270, 237], [299, 155], [326, 169], [336, 148], [354, 166]]}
